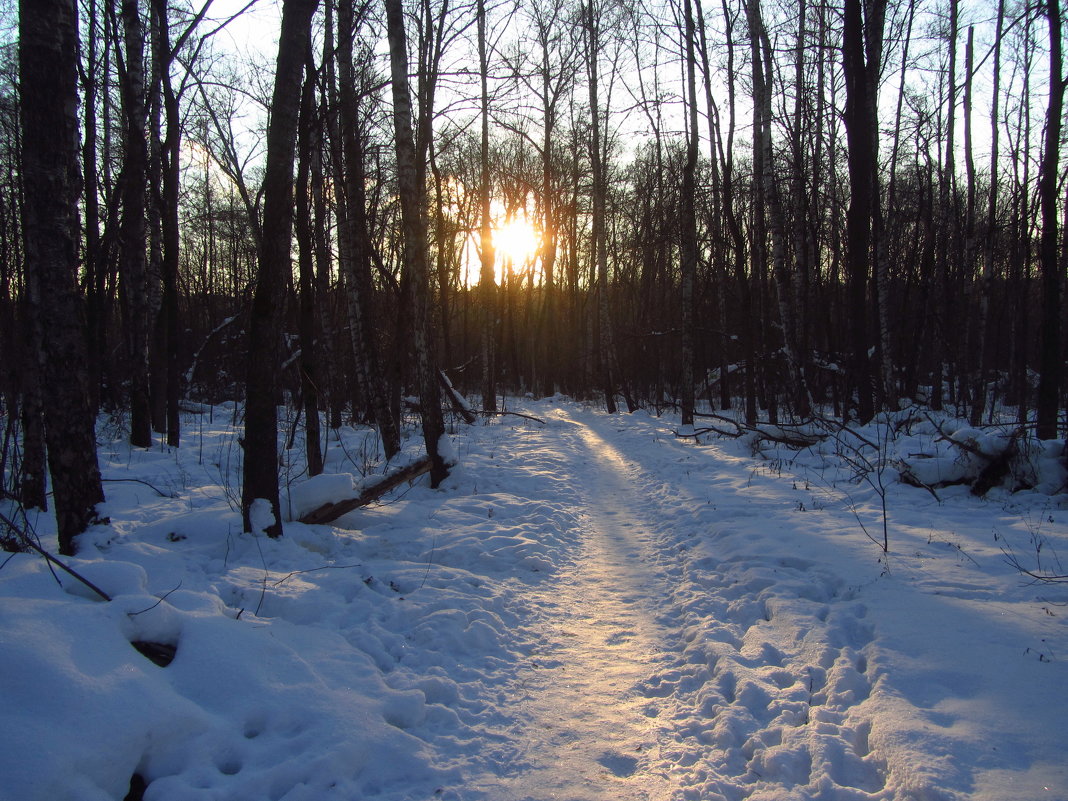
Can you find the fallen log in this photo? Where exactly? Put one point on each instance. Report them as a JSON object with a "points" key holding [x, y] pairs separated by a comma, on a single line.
{"points": [[459, 404], [329, 512]]}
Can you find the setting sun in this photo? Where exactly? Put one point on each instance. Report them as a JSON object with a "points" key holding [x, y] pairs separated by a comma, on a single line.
{"points": [[516, 241]]}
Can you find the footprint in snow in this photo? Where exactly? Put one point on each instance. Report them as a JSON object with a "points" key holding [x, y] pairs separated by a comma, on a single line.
{"points": [[619, 764]]}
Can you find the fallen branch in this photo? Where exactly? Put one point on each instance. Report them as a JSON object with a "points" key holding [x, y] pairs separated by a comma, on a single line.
{"points": [[459, 403], [489, 412], [329, 512], [699, 432], [994, 467], [155, 489], [27, 540], [907, 476], [792, 435]]}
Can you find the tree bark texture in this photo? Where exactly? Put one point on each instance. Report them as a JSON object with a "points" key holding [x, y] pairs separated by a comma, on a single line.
{"points": [[134, 260], [861, 133], [362, 312], [260, 469], [1051, 363], [48, 71], [413, 222]]}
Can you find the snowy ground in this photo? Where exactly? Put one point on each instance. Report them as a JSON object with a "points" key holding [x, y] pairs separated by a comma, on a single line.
{"points": [[588, 610]]}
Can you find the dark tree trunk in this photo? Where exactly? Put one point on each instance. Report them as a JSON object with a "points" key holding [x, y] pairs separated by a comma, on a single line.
{"points": [[48, 72], [487, 287], [309, 342], [861, 135], [93, 260], [413, 221], [1050, 361], [604, 344], [168, 204], [260, 478], [360, 288], [331, 383], [986, 289], [134, 264], [33, 492], [688, 243]]}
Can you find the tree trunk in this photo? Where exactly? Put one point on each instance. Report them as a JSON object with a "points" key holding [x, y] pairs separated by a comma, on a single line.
{"points": [[260, 477], [861, 132], [604, 342], [94, 262], [688, 243], [309, 342], [168, 201], [33, 490], [48, 72], [360, 287], [413, 221], [134, 265], [1050, 362], [986, 288], [487, 288]]}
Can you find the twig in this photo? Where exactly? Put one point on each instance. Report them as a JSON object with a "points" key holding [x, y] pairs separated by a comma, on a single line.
{"points": [[157, 490], [162, 598], [489, 412], [430, 561], [51, 559], [312, 570]]}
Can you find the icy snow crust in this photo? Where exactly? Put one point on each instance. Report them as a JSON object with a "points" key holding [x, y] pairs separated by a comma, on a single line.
{"points": [[588, 610]]}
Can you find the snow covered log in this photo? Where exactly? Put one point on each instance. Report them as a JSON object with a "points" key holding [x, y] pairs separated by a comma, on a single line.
{"points": [[986, 458], [458, 401], [329, 512]]}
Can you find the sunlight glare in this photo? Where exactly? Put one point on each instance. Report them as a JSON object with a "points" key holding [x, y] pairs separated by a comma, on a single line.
{"points": [[517, 241]]}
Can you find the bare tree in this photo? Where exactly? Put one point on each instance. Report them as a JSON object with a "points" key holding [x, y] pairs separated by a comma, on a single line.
{"points": [[134, 233], [412, 199], [688, 244], [356, 238], [862, 32], [487, 286], [593, 42], [260, 470], [309, 341], [48, 71], [1050, 359]]}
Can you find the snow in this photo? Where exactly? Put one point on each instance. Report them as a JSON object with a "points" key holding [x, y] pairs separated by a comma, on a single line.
{"points": [[589, 609], [317, 491]]}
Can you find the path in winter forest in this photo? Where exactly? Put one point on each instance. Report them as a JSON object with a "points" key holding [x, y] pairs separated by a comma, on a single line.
{"points": [[657, 678], [586, 732]]}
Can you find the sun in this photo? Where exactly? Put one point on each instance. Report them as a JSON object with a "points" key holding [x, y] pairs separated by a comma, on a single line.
{"points": [[517, 241]]}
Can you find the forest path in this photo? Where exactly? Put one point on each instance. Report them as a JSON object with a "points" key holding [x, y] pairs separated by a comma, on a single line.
{"points": [[675, 658], [586, 731]]}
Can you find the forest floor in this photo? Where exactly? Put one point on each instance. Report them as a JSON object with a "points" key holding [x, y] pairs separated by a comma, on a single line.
{"points": [[590, 608]]}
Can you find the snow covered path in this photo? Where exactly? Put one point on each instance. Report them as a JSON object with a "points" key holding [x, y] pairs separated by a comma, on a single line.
{"points": [[713, 639], [586, 733], [640, 691]]}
